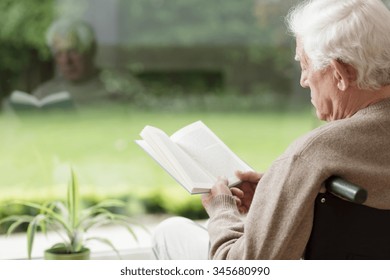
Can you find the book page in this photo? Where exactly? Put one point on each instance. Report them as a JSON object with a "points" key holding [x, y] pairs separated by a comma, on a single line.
{"points": [[160, 160], [198, 141], [20, 97], [177, 162], [55, 97]]}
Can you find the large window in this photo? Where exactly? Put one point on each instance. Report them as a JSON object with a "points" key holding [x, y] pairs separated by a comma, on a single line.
{"points": [[170, 62]]}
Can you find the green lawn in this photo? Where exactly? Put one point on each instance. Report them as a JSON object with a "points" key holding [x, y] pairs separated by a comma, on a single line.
{"points": [[37, 150]]}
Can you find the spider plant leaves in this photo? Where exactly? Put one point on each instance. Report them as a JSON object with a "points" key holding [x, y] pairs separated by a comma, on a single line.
{"points": [[31, 230], [107, 242], [69, 221], [73, 200]]}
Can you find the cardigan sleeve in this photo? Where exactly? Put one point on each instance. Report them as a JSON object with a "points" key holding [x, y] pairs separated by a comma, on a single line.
{"points": [[279, 221]]}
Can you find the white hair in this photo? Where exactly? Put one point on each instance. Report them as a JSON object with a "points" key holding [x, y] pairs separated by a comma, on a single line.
{"points": [[78, 33], [356, 32]]}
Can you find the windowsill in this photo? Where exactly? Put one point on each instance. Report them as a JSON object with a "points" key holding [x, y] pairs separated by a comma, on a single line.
{"points": [[15, 245]]}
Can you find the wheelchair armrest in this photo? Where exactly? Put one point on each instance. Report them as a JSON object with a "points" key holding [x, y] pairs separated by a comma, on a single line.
{"points": [[346, 190]]}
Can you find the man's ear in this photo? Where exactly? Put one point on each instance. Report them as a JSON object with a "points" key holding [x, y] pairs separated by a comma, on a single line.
{"points": [[344, 74]]}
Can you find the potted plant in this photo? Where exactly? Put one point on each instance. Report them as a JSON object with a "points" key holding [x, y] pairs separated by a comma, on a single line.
{"points": [[70, 222]]}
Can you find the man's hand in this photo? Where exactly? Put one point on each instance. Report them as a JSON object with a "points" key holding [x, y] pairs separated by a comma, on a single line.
{"points": [[220, 187], [243, 194], [245, 191]]}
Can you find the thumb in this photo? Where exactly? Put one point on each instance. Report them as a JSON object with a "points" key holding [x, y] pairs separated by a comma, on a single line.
{"points": [[250, 176]]}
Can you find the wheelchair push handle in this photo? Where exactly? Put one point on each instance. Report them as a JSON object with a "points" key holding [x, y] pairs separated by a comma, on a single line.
{"points": [[346, 190]]}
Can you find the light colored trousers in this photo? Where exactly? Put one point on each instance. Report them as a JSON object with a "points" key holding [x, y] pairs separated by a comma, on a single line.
{"points": [[179, 238]]}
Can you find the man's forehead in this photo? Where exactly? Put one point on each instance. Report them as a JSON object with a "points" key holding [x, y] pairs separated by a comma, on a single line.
{"points": [[298, 49], [300, 54], [63, 43]]}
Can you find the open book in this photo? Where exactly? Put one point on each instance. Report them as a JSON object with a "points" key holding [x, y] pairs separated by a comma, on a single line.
{"points": [[194, 156], [22, 100]]}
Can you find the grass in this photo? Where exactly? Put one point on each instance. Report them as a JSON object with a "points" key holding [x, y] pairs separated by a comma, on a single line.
{"points": [[38, 149]]}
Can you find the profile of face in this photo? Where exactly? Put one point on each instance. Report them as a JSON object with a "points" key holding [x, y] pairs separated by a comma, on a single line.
{"points": [[326, 86], [73, 64]]}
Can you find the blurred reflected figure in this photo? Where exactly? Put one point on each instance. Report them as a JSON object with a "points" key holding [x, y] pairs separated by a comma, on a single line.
{"points": [[73, 45]]}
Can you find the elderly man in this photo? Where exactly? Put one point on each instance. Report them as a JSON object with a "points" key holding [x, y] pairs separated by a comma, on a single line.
{"points": [[343, 48], [73, 45]]}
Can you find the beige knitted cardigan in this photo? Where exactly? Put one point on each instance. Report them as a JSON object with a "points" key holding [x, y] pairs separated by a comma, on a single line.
{"points": [[279, 221]]}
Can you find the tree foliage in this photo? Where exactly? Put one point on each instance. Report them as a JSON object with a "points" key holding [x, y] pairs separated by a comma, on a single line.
{"points": [[249, 35], [256, 24], [23, 24], [191, 22]]}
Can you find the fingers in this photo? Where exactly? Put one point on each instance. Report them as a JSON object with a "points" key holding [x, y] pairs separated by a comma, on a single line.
{"points": [[221, 181], [250, 176], [220, 187], [237, 192], [242, 209], [238, 197], [238, 201]]}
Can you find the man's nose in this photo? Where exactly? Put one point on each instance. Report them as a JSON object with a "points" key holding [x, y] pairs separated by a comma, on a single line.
{"points": [[63, 57], [303, 81]]}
